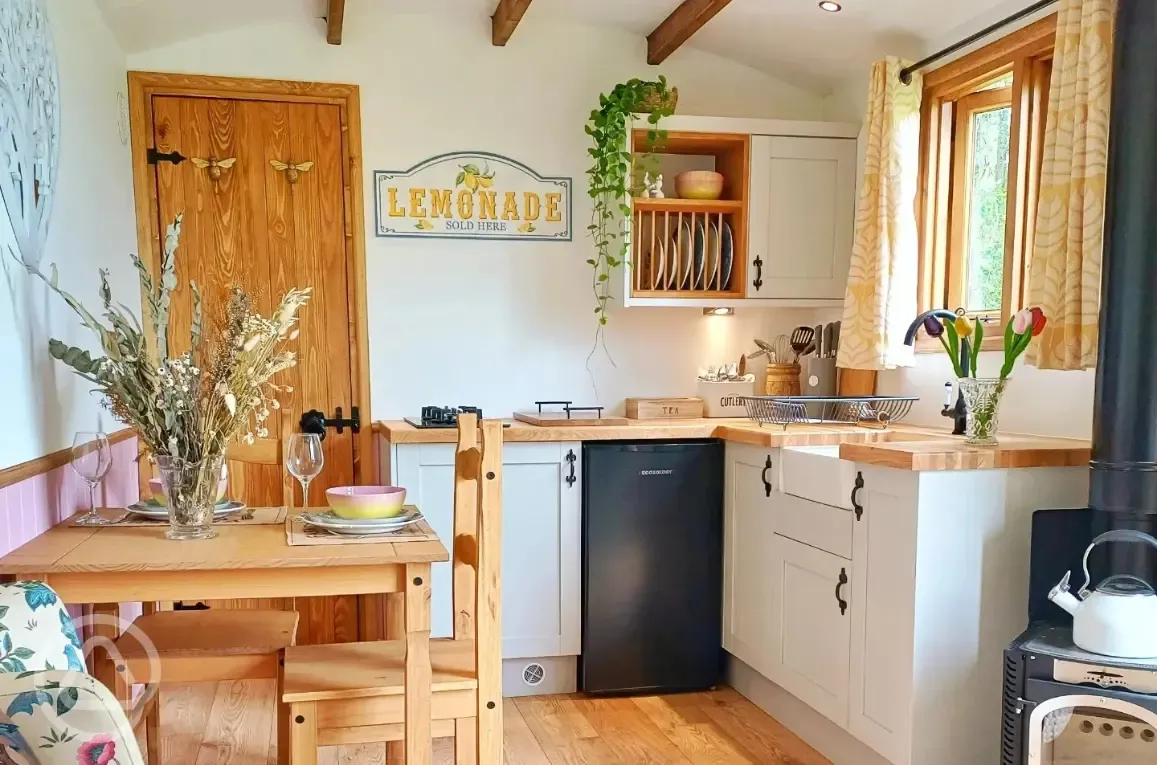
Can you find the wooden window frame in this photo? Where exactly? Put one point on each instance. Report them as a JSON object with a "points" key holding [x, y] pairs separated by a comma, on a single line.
{"points": [[941, 196]]}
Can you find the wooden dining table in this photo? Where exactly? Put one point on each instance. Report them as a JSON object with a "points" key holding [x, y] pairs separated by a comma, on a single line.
{"points": [[104, 566]]}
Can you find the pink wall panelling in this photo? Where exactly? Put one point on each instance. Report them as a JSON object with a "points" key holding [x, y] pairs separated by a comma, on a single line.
{"points": [[31, 507]]}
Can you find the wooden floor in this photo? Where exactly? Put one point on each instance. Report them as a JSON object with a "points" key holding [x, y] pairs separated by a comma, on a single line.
{"points": [[232, 724]]}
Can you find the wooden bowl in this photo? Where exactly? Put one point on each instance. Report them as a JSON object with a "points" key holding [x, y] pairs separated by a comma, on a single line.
{"points": [[699, 184]]}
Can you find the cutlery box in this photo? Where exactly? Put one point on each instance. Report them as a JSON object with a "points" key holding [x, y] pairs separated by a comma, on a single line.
{"points": [[723, 399]]}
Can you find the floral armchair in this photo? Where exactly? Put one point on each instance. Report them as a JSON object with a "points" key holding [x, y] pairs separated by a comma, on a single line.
{"points": [[51, 712]]}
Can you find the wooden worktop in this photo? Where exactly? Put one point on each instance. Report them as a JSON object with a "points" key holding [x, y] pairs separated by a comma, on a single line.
{"points": [[901, 446]]}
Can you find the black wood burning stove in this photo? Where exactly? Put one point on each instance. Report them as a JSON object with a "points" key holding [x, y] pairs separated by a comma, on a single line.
{"points": [[1062, 704]]}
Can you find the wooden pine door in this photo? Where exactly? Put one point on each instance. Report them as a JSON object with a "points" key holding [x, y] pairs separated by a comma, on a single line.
{"points": [[257, 227]]}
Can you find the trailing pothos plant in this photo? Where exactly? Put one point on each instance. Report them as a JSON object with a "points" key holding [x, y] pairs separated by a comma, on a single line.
{"points": [[613, 176]]}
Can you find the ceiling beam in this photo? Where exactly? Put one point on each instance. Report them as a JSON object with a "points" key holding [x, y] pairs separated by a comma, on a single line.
{"points": [[683, 22], [334, 17], [505, 20]]}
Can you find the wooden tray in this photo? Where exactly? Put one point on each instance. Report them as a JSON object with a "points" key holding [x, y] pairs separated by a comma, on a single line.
{"points": [[576, 419]]}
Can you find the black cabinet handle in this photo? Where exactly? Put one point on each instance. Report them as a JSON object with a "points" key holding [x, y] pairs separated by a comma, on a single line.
{"points": [[855, 493], [763, 475], [570, 479], [758, 281], [839, 587]]}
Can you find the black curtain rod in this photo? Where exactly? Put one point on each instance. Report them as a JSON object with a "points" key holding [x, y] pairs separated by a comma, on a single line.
{"points": [[906, 72]]}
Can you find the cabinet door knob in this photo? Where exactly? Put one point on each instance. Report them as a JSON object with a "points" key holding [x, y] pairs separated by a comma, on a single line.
{"points": [[839, 589], [758, 281], [855, 494], [763, 476], [571, 458]]}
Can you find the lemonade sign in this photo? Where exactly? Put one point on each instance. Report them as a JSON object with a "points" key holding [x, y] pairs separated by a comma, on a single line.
{"points": [[472, 195]]}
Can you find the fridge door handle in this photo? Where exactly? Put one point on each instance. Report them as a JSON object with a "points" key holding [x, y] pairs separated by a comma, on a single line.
{"points": [[571, 458], [763, 477]]}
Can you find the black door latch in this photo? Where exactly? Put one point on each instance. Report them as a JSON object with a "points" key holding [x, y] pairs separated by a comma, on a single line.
{"points": [[155, 157], [316, 422]]}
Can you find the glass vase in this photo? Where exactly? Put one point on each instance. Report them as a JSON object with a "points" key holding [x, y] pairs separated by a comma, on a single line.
{"points": [[191, 491], [982, 398]]}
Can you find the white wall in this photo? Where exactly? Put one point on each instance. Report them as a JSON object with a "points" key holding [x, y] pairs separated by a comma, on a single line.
{"points": [[91, 227], [501, 324], [1037, 401]]}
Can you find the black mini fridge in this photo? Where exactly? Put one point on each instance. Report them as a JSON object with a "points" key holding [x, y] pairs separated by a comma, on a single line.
{"points": [[652, 566]]}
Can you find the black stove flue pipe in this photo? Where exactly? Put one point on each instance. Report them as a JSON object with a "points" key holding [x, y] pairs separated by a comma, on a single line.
{"points": [[1124, 464]]}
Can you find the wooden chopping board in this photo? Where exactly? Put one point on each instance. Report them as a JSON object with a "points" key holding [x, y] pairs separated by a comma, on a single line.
{"points": [[576, 420]]}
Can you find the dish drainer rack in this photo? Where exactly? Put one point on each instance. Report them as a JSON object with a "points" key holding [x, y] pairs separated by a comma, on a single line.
{"points": [[870, 411]]}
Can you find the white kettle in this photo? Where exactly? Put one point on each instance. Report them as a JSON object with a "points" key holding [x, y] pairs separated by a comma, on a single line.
{"points": [[1119, 618]]}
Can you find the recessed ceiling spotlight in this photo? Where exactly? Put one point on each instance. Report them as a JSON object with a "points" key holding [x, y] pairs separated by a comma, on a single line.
{"points": [[830, 6]]}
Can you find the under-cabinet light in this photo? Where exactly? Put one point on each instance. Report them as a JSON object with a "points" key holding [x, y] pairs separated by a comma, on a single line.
{"points": [[718, 311], [830, 6]]}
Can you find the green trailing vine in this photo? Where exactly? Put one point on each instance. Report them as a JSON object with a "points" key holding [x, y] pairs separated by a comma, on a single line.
{"points": [[613, 174]]}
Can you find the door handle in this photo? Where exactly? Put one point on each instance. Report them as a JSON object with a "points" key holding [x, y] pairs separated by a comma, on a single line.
{"points": [[571, 458], [316, 422], [763, 477], [855, 494], [758, 281], [839, 588]]}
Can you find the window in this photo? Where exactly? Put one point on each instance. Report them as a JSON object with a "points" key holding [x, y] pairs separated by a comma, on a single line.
{"points": [[981, 141]]}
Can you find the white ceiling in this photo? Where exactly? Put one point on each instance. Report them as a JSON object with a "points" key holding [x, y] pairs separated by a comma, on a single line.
{"points": [[790, 39]]}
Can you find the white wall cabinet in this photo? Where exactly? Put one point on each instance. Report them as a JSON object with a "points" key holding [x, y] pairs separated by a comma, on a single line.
{"points": [[747, 606], [810, 630], [933, 569], [541, 540], [786, 210], [802, 217]]}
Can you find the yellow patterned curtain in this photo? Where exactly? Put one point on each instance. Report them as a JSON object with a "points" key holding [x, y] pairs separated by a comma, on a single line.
{"points": [[1065, 275], [881, 296]]}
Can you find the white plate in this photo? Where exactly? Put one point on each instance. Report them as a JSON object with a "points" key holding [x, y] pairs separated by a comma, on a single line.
{"points": [[162, 511], [686, 245], [700, 243], [329, 520], [728, 255], [712, 256]]}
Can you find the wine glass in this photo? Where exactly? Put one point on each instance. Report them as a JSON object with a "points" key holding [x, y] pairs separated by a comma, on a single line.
{"points": [[91, 459], [304, 458]]}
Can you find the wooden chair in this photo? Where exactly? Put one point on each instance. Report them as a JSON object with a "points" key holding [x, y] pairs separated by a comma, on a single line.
{"points": [[357, 692], [185, 646]]}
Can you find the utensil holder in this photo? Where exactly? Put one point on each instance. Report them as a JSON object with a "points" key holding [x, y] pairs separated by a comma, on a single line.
{"points": [[783, 380]]}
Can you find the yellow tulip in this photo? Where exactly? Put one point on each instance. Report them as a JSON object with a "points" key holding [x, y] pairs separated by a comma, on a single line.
{"points": [[963, 326]]}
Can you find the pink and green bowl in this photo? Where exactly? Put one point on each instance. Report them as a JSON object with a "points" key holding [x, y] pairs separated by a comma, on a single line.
{"points": [[366, 501]]}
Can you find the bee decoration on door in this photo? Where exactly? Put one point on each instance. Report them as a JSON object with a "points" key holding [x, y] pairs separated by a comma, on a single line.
{"points": [[292, 171], [214, 166]]}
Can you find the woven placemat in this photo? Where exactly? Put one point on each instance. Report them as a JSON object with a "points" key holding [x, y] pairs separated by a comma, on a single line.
{"points": [[250, 516], [297, 534]]}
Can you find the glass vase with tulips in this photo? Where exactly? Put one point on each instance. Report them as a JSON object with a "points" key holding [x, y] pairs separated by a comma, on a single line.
{"points": [[962, 339]]}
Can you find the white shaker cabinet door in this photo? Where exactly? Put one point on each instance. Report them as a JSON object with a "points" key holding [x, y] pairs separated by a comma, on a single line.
{"points": [[883, 592], [802, 217], [811, 628], [747, 594], [541, 540]]}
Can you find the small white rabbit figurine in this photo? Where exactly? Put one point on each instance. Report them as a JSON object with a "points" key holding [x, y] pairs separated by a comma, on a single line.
{"points": [[653, 186]]}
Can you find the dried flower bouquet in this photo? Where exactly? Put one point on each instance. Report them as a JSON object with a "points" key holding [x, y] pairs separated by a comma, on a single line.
{"points": [[187, 408]]}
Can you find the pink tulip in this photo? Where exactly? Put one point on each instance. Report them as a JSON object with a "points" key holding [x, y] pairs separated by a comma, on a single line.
{"points": [[1022, 322]]}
